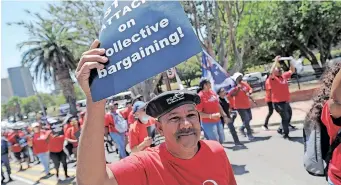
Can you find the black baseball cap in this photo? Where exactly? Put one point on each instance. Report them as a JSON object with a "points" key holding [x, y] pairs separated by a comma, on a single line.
{"points": [[170, 100]]}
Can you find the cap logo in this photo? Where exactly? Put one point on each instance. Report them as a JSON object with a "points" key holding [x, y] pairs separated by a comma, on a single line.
{"points": [[177, 97]]}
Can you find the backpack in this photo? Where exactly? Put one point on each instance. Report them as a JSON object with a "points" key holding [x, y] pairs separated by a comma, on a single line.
{"points": [[121, 124], [317, 149]]}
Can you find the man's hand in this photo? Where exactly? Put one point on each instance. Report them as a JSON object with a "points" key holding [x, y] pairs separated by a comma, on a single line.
{"points": [[91, 59], [215, 116], [147, 141], [226, 120]]}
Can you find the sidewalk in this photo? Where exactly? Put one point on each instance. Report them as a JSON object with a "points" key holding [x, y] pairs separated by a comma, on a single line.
{"points": [[299, 111]]}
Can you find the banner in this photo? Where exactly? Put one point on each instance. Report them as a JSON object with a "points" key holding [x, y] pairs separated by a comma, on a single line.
{"points": [[215, 73], [142, 39]]}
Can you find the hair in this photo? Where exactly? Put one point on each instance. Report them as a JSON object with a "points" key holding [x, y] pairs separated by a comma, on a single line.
{"points": [[203, 81], [220, 89], [322, 94]]}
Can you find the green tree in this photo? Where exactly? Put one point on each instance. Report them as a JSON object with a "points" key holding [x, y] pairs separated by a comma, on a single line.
{"points": [[13, 107], [30, 104], [189, 70], [79, 93], [4, 111], [48, 55]]}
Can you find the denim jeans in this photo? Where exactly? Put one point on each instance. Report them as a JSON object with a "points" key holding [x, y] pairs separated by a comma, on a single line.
{"points": [[214, 131], [119, 140], [45, 161], [246, 116], [5, 161]]}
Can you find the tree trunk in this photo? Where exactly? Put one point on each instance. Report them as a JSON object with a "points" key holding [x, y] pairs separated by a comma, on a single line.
{"points": [[66, 84], [146, 87], [310, 56]]}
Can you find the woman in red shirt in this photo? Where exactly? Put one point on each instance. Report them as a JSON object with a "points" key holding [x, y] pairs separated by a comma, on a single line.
{"points": [[40, 146], [57, 154], [326, 110], [71, 135], [210, 112]]}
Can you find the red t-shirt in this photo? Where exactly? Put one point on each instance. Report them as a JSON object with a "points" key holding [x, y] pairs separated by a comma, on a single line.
{"points": [[131, 118], [125, 113], [241, 100], [156, 166], [66, 127], [334, 172], [209, 104], [231, 100], [40, 143], [109, 122], [70, 134], [280, 87], [11, 137], [56, 144], [138, 131], [267, 90]]}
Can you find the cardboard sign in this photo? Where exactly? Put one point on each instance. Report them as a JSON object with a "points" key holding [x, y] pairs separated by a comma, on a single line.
{"points": [[142, 38]]}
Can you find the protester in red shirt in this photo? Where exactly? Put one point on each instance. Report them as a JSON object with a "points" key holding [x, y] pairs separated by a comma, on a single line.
{"points": [[331, 117], [71, 135], [280, 95], [16, 139], [125, 113], [57, 154], [138, 134], [119, 138], [268, 101], [40, 146], [182, 159], [210, 112], [242, 104]]}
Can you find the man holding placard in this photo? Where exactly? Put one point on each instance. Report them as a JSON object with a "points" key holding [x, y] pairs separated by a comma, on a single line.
{"points": [[180, 160]]}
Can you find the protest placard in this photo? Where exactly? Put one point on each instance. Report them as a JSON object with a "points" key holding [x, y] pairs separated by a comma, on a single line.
{"points": [[142, 38]]}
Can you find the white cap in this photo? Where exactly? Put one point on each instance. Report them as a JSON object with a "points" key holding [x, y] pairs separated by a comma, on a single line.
{"points": [[236, 75], [35, 124]]}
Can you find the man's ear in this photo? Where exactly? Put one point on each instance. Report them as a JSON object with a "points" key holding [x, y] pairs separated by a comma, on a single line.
{"points": [[159, 128]]}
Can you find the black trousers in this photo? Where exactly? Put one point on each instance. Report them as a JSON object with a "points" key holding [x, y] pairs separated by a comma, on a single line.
{"points": [[271, 111], [283, 109], [57, 158]]}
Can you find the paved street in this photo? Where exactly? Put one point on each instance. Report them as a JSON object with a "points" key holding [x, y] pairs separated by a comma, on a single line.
{"points": [[271, 160]]}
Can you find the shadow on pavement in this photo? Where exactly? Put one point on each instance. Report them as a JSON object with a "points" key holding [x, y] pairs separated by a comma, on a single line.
{"points": [[67, 181], [261, 139], [44, 177], [236, 148], [297, 139], [239, 169]]}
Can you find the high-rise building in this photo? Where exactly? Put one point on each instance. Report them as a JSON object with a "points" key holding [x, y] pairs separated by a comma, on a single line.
{"points": [[21, 81], [6, 90]]}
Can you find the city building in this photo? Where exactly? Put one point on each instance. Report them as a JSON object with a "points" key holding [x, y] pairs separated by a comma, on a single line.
{"points": [[21, 81], [6, 90]]}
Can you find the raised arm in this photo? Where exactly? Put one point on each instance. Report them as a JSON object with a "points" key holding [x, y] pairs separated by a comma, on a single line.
{"points": [[91, 166], [274, 65], [335, 96]]}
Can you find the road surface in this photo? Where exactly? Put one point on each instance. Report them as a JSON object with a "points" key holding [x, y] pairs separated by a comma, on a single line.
{"points": [[270, 160]]}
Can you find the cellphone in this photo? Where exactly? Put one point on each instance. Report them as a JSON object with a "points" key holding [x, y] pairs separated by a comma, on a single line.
{"points": [[151, 131]]}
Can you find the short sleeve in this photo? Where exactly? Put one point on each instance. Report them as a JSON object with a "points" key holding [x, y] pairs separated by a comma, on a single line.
{"points": [[133, 138], [248, 87], [129, 170], [287, 75], [267, 84], [107, 120]]}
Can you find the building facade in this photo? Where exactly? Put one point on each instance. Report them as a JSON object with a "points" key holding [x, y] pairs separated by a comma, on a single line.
{"points": [[21, 81], [6, 90]]}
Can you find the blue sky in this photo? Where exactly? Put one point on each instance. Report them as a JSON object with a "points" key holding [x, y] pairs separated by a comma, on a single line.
{"points": [[12, 11]]}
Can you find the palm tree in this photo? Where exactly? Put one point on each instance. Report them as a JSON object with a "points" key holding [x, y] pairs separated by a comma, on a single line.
{"points": [[47, 55]]}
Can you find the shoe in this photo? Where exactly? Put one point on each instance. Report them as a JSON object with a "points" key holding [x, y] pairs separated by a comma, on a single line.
{"points": [[286, 136], [2, 180], [66, 176], [265, 127], [10, 179], [292, 127], [238, 144], [280, 131], [251, 138]]}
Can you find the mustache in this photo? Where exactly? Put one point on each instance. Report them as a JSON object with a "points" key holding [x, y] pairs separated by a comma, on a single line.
{"points": [[185, 132]]}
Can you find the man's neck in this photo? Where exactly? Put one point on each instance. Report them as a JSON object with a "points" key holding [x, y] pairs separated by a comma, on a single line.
{"points": [[186, 153]]}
